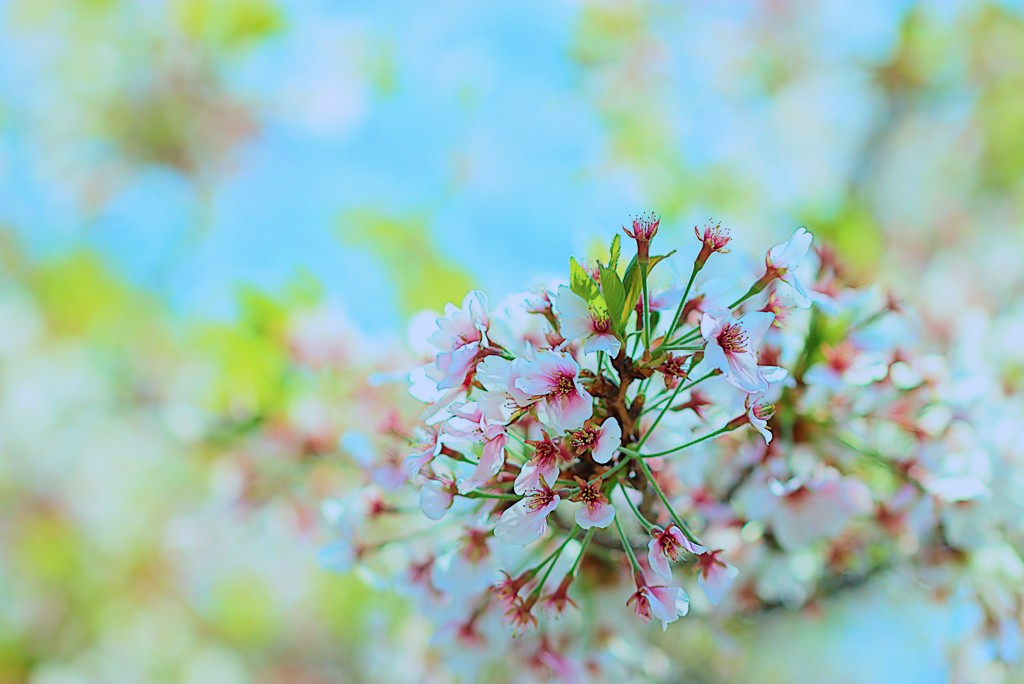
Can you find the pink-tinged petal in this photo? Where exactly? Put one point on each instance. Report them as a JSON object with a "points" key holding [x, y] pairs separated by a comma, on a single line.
{"points": [[530, 474], [499, 375], [755, 324], [788, 254], [714, 357], [687, 545], [605, 342], [668, 604], [415, 462], [536, 384], [575, 320], [744, 373], [809, 513], [608, 441], [657, 560], [773, 374], [475, 304], [491, 461], [435, 499], [716, 582], [762, 427], [800, 297], [595, 515], [569, 411], [520, 525], [456, 364], [712, 321]]}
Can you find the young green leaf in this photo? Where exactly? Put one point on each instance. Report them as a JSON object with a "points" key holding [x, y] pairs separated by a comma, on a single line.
{"points": [[616, 249], [633, 286], [614, 295], [580, 281]]}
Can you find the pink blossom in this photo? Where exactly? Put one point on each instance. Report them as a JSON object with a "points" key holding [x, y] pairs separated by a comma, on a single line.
{"points": [[436, 497], [469, 422], [543, 463], [507, 589], [499, 377], [423, 452], [558, 601], [758, 415], [804, 511], [715, 576], [468, 569], [644, 230], [667, 603], [459, 338], [492, 458], [846, 365], [713, 239], [666, 546], [782, 261], [603, 442], [731, 346], [527, 520], [595, 511], [553, 379], [579, 321]]}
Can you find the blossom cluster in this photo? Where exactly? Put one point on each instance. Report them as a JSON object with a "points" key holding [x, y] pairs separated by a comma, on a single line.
{"points": [[601, 446]]}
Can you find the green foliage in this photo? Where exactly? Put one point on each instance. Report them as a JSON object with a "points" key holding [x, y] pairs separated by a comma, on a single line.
{"points": [[615, 297], [229, 24], [614, 252], [242, 611]]}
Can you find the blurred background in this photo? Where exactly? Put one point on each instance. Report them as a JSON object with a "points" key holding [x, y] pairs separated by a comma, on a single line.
{"points": [[216, 217]]}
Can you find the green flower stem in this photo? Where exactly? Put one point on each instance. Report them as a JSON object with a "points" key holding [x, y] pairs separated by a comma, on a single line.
{"points": [[704, 438], [664, 500], [640, 516], [488, 495], [654, 405], [625, 545], [583, 551], [552, 558], [682, 302]]}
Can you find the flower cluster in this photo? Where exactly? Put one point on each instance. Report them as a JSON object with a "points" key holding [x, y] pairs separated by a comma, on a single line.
{"points": [[607, 446]]}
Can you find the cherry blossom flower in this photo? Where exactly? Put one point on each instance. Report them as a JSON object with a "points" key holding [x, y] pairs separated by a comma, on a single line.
{"points": [[673, 369], [436, 497], [520, 614], [758, 415], [558, 601], [579, 321], [731, 346], [424, 451], [846, 365], [783, 259], [715, 576], [603, 442], [805, 510], [553, 379], [527, 520], [667, 545], [492, 458], [644, 229], [666, 603], [543, 462], [507, 589], [595, 511], [713, 239], [460, 336]]}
